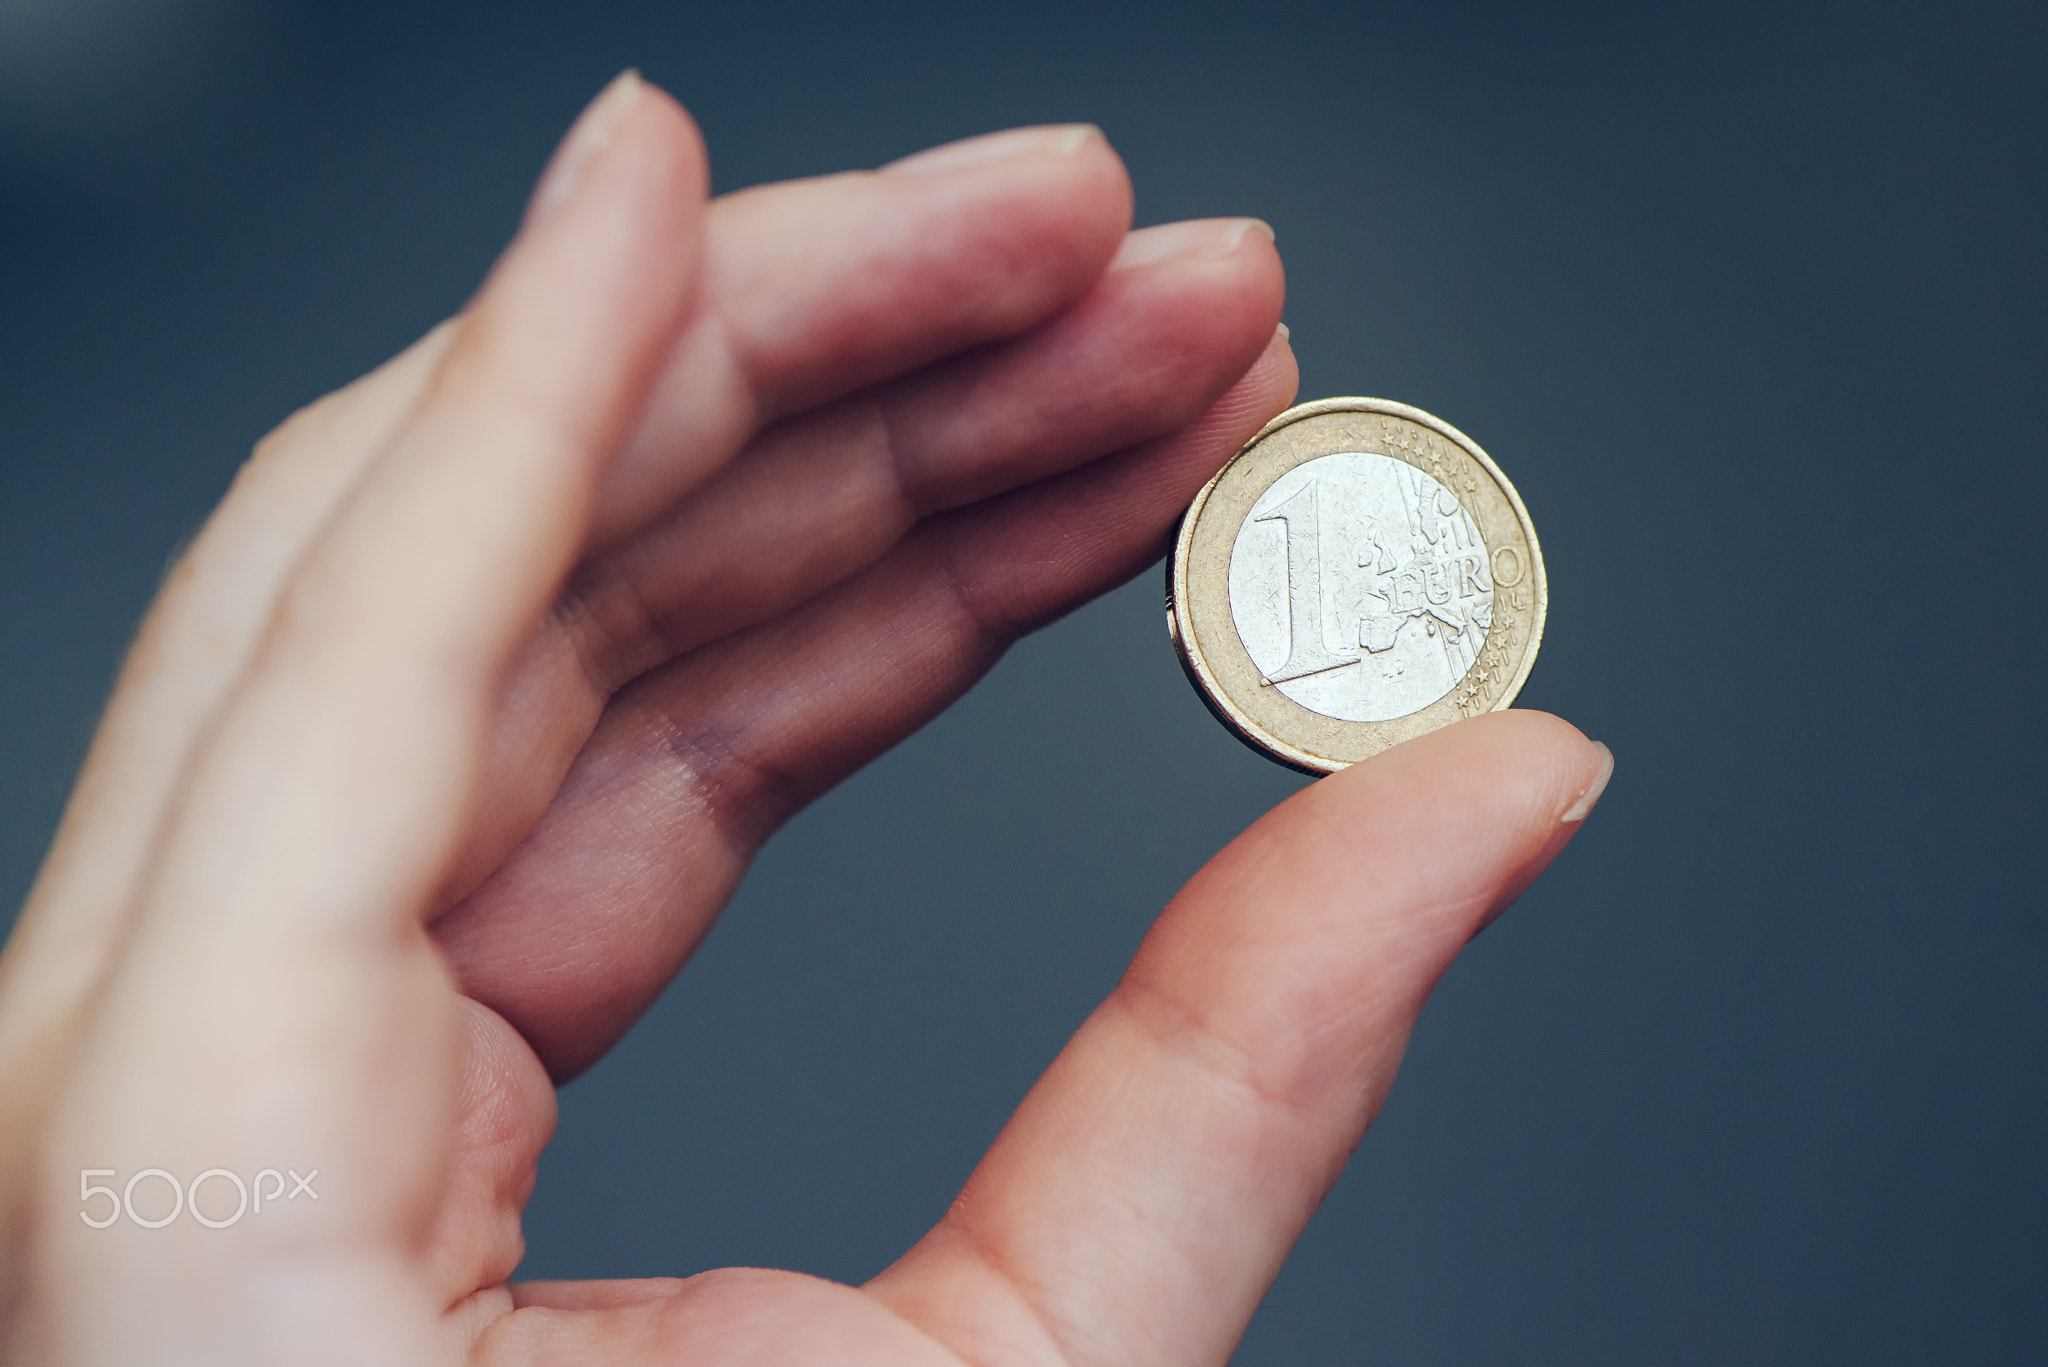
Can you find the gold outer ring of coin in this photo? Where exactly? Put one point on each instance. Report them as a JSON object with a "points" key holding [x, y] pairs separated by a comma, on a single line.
{"points": [[1204, 631]]}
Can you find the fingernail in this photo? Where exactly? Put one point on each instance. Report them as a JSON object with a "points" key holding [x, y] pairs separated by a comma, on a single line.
{"points": [[589, 137], [1285, 335], [1578, 810], [1247, 224], [1049, 140], [1204, 237]]}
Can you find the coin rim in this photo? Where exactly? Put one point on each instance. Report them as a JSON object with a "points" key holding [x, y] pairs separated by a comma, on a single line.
{"points": [[1210, 689]]}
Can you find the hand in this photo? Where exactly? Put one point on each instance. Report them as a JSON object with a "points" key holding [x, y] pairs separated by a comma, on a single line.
{"points": [[461, 720]]}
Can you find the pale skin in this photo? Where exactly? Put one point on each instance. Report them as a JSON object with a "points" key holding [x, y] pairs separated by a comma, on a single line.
{"points": [[461, 720]]}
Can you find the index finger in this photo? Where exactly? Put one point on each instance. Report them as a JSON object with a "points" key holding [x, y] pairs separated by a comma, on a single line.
{"points": [[1146, 1193]]}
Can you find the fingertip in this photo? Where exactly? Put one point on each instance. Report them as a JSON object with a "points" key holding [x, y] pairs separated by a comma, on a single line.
{"points": [[1105, 189], [610, 244], [1073, 164], [1569, 771], [1494, 789], [664, 166], [629, 111], [1076, 149], [1570, 774], [1198, 239], [1264, 391], [679, 135], [1281, 368], [1583, 805], [586, 141], [1258, 294], [1008, 144], [1210, 293]]}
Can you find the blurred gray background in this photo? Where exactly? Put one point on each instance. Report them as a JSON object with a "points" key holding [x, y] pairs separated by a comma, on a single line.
{"points": [[1748, 301]]}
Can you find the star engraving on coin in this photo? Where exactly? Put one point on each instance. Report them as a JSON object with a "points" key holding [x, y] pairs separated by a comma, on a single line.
{"points": [[1359, 574]]}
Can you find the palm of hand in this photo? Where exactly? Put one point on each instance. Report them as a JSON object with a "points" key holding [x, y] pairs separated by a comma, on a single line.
{"points": [[459, 724]]}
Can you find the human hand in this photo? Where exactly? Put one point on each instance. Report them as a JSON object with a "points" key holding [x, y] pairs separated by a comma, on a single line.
{"points": [[458, 724]]}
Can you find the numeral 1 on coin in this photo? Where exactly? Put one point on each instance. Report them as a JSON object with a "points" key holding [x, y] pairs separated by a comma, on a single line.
{"points": [[1307, 652]]}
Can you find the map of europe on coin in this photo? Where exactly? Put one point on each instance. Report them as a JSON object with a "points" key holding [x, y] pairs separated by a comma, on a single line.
{"points": [[1359, 586]]}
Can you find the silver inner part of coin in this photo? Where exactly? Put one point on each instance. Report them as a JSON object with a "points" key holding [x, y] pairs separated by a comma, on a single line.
{"points": [[1360, 587]]}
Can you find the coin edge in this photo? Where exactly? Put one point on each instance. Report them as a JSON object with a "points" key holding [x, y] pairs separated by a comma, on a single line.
{"points": [[1188, 652]]}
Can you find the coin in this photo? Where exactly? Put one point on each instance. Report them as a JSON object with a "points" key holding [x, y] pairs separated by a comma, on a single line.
{"points": [[1359, 574]]}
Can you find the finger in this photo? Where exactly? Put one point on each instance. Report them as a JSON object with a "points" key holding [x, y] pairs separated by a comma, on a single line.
{"points": [[696, 764], [814, 289], [1144, 1196], [403, 612], [1181, 315], [505, 1115], [323, 801], [212, 607], [196, 641]]}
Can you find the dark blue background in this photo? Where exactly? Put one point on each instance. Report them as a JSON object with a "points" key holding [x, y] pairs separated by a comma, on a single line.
{"points": [[1749, 302]]}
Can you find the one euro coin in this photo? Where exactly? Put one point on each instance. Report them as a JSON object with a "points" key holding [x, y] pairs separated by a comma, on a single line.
{"points": [[1359, 574]]}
